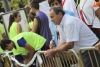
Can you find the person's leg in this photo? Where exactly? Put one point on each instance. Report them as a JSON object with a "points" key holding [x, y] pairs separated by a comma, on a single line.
{"points": [[86, 59], [26, 59], [20, 59]]}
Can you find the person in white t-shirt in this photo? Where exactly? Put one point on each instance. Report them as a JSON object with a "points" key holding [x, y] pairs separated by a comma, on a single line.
{"points": [[91, 14], [44, 7], [71, 6], [73, 33]]}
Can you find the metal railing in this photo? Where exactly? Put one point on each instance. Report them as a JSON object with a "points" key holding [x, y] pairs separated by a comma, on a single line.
{"points": [[64, 59], [91, 55]]}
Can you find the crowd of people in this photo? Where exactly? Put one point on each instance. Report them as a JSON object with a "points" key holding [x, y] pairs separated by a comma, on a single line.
{"points": [[55, 27]]}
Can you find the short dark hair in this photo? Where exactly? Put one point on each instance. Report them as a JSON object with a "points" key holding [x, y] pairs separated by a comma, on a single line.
{"points": [[96, 0], [57, 10], [34, 4], [51, 1], [39, 1], [4, 43]]}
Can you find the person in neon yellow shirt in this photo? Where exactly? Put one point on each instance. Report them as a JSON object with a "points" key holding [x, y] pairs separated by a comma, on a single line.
{"points": [[31, 19], [23, 44], [14, 27], [2, 32]]}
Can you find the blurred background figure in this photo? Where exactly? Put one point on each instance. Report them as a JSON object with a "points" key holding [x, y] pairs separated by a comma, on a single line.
{"points": [[27, 7], [14, 27], [91, 14], [71, 6], [3, 34], [31, 17]]}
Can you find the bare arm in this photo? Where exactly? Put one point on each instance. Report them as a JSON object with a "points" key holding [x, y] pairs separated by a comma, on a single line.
{"points": [[29, 29], [4, 36], [19, 29], [31, 51], [97, 46], [60, 48], [35, 25], [64, 47]]}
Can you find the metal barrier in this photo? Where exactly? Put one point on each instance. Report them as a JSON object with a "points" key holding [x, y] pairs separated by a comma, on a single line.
{"points": [[5, 59], [65, 59], [90, 54]]}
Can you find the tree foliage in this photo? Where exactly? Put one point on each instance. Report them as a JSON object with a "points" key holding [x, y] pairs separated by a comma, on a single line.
{"points": [[15, 4]]}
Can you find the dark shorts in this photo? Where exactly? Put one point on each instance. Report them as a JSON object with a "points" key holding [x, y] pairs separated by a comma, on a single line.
{"points": [[87, 60], [19, 58]]}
